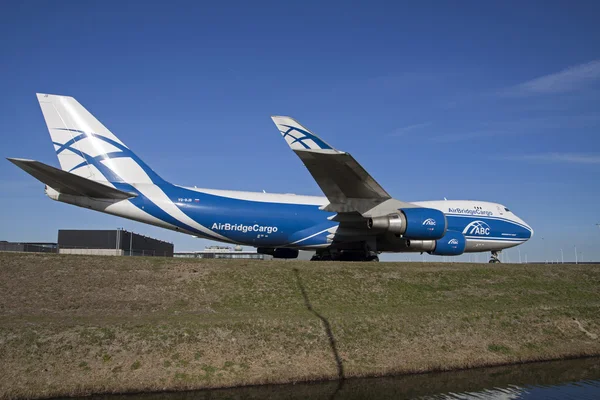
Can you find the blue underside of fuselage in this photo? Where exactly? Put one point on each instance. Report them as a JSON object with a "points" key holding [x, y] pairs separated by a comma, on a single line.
{"points": [[293, 225]]}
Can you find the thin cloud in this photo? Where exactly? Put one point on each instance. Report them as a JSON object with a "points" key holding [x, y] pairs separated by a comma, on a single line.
{"points": [[521, 127], [409, 128], [567, 80], [461, 137], [571, 158], [235, 73]]}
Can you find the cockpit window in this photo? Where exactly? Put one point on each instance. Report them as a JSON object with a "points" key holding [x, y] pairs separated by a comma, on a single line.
{"points": [[506, 209]]}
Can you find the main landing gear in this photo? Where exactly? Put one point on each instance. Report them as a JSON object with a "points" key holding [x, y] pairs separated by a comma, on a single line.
{"points": [[345, 255], [495, 259]]}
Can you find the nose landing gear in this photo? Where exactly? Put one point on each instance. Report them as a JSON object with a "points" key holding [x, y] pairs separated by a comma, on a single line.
{"points": [[495, 259]]}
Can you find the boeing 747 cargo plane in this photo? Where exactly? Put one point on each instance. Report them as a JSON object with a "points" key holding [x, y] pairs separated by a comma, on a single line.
{"points": [[356, 220]]}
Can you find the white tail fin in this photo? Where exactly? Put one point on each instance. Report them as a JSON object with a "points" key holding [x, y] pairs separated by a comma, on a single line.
{"points": [[87, 148]]}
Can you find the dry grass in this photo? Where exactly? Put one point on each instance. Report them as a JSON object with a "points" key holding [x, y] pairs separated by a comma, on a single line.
{"points": [[78, 324]]}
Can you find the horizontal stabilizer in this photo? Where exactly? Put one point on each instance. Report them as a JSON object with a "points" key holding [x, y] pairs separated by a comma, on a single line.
{"points": [[68, 183]]}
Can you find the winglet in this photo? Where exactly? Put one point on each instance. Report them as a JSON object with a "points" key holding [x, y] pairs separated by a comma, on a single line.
{"points": [[299, 137]]}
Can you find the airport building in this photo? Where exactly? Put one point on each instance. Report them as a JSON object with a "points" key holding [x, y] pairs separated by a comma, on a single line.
{"points": [[28, 247], [116, 242], [224, 252]]}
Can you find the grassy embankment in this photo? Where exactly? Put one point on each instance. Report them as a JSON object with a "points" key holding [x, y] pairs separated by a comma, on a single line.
{"points": [[78, 324]]}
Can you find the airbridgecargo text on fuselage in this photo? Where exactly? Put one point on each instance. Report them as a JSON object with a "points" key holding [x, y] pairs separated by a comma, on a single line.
{"points": [[244, 228], [469, 211]]}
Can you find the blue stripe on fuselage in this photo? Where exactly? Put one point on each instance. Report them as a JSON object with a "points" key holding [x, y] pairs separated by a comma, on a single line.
{"points": [[480, 227], [253, 222]]}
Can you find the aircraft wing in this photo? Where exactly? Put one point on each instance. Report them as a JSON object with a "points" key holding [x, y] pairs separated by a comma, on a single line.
{"points": [[68, 183], [347, 185]]}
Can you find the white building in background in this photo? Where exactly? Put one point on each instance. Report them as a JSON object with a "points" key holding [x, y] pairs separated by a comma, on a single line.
{"points": [[227, 252]]}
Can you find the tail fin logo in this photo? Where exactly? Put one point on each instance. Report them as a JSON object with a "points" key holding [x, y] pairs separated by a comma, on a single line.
{"points": [[105, 155], [297, 136], [429, 222], [477, 228], [305, 138], [85, 147]]}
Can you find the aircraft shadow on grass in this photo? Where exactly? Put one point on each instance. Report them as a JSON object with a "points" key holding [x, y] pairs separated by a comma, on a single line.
{"points": [[328, 332]]}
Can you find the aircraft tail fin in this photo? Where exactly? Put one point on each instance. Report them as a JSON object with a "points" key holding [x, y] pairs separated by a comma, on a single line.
{"points": [[86, 148], [68, 183]]}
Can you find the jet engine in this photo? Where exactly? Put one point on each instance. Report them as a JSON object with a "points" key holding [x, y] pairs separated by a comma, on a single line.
{"points": [[452, 244], [412, 223]]}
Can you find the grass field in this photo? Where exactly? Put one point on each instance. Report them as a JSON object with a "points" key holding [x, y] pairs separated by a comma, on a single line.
{"points": [[77, 324]]}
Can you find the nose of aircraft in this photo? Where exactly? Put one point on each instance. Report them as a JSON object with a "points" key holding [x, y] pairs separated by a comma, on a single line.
{"points": [[529, 234], [530, 231]]}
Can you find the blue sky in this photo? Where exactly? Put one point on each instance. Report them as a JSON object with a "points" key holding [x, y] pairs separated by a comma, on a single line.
{"points": [[472, 100]]}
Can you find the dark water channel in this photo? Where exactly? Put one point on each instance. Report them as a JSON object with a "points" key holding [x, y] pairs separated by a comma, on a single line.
{"points": [[570, 379]]}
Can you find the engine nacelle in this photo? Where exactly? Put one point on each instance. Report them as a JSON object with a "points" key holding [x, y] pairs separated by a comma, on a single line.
{"points": [[278, 252], [423, 246], [412, 223], [452, 244], [424, 223]]}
